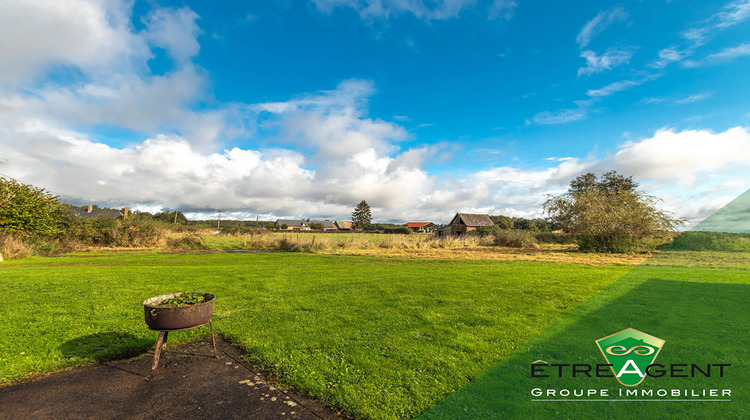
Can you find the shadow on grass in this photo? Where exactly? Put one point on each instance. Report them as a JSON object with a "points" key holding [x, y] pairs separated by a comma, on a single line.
{"points": [[701, 323], [104, 347]]}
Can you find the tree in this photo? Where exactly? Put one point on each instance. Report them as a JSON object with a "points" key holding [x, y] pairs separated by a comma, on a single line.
{"points": [[609, 214], [29, 211], [502, 222], [171, 217], [362, 217]]}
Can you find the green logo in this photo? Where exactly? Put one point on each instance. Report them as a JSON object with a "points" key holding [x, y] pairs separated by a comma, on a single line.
{"points": [[630, 352]]}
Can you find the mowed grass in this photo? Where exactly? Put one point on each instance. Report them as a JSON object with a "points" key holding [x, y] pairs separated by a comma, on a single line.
{"points": [[697, 301], [376, 337]]}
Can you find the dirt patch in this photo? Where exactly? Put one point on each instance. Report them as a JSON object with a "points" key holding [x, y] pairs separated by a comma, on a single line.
{"points": [[189, 383]]}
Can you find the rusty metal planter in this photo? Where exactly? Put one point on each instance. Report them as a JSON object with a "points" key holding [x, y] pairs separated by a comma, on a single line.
{"points": [[170, 319], [165, 320]]}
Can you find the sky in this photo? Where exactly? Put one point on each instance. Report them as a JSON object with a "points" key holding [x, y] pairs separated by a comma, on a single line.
{"points": [[423, 108]]}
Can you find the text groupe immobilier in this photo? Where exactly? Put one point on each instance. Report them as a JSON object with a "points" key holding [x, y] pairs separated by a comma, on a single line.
{"points": [[683, 393]]}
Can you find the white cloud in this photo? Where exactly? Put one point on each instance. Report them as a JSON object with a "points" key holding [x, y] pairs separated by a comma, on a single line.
{"points": [[175, 30], [598, 63], [619, 86], [699, 34], [384, 9], [112, 83], [694, 98], [501, 9], [343, 157], [726, 55], [733, 14], [667, 56], [651, 100], [558, 117], [88, 34], [333, 123], [599, 23], [683, 156]]}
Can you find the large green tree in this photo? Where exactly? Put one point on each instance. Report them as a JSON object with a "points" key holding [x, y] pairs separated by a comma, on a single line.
{"points": [[609, 213], [29, 211], [362, 216], [171, 217]]}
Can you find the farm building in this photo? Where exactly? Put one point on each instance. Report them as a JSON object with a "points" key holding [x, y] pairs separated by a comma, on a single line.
{"points": [[292, 224], [343, 225], [420, 227], [464, 223], [91, 212], [327, 224]]}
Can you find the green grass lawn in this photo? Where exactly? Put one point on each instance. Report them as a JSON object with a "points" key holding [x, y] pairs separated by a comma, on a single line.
{"points": [[698, 302], [376, 337]]}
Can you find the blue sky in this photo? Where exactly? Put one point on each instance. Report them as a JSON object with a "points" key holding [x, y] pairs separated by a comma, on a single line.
{"points": [[422, 108]]}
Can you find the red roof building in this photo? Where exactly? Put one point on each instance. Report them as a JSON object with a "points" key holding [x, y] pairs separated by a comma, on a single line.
{"points": [[420, 226]]}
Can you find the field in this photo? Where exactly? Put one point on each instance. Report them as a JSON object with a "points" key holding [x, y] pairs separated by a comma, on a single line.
{"points": [[422, 246], [391, 335], [697, 301], [379, 338]]}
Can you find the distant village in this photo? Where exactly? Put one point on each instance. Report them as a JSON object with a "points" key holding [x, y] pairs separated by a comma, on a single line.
{"points": [[461, 224]]}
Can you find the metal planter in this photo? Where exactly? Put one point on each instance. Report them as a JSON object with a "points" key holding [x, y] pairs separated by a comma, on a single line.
{"points": [[170, 319]]}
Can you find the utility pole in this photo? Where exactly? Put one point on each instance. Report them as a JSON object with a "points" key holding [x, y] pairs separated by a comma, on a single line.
{"points": [[218, 221], [175, 217]]}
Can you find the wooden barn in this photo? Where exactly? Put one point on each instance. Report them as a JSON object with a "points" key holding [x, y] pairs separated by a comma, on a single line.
{"points": [[464, 223]]}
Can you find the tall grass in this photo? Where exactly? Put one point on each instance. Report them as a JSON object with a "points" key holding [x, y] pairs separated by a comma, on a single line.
{"points": [[13, 246], [335, 242]]}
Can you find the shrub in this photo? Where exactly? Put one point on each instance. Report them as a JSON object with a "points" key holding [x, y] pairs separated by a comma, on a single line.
{"points": [[490, 230], [711, 241], [515, 238], [554, 238], [402, 230], [187, 242], [287, 246], [29, 211], [607, 243], [105, 231]]}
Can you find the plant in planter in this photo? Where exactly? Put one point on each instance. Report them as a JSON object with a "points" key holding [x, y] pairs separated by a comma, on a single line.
{"points": [[177, 311], [183, 299]]}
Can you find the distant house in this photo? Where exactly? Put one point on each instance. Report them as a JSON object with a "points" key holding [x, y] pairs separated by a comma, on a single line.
{"points": [[91, 212], [291, 224], [327, 224], [464, 223], [420, 227], [343, 225]]}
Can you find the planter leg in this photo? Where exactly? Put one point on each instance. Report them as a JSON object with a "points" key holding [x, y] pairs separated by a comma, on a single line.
{"points": [[213, 341], [161, 341]]}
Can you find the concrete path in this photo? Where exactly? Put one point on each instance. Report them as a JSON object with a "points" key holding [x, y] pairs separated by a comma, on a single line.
{"points": [[189, 383]]}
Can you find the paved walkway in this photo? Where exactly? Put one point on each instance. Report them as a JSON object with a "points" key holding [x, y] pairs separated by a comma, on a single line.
{"points": [[189, 383]]}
